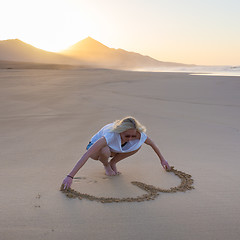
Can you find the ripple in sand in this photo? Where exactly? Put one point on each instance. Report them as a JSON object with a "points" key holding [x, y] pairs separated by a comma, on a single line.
{"points": [[152, 191]]}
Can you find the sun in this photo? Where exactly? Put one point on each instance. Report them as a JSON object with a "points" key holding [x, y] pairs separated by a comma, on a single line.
{"points": [[49, 25]]}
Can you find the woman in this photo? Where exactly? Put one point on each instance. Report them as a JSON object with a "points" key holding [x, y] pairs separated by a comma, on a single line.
{"points": [[118, 140]]}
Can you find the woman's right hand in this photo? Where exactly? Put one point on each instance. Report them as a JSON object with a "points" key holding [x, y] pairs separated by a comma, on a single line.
{"points": [[67, 182]]}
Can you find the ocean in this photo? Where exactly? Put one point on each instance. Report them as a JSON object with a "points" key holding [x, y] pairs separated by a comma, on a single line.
{"points": [[199, 70]]}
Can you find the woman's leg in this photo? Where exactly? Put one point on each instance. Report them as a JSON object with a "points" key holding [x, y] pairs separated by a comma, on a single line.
{"points": [[118, 157], [103, 156]]}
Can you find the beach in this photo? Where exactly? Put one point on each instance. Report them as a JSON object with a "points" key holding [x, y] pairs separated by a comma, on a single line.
{"points": [[48, 116]]}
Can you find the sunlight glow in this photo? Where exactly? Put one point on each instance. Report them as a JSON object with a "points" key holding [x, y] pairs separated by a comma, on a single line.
{"points": [[49, 25], [202, 32]]}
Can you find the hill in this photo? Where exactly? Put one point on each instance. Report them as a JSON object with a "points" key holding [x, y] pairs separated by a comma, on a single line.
{"points": [[94, 52], [16, 50]]}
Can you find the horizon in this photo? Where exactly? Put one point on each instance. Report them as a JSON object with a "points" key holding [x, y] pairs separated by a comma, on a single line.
{"points": [[203, 33]]}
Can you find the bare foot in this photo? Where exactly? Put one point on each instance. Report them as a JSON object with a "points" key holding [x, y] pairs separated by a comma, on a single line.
{"points": [[114, 168], [109, 171]]}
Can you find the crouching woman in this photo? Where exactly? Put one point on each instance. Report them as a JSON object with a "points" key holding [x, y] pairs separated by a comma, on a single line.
{"points": [[113, 143]]}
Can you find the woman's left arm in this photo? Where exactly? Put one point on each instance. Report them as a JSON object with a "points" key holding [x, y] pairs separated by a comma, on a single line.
{"points": [[157, 151]]}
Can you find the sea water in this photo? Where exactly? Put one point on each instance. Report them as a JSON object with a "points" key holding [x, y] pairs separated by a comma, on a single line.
{"points": [[199, 70]]}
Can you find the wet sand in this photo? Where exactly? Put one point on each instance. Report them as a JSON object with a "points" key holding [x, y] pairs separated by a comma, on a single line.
{"points": [[47, 118]]}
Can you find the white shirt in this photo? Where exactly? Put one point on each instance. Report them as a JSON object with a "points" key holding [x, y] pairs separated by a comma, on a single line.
{"points": [[113, 140]]}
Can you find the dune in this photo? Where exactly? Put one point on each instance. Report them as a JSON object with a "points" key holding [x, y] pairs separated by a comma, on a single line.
{"points": [[47, 119]]}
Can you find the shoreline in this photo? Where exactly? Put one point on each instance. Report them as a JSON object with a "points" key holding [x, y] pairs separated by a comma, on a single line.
{"points": [[194, 70]]}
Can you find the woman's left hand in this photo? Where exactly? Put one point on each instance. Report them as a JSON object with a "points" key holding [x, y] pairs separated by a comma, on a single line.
{"points": [[165, 164]]}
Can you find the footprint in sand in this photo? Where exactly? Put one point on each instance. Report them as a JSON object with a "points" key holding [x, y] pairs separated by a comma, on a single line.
{"points": [[37, 197]]}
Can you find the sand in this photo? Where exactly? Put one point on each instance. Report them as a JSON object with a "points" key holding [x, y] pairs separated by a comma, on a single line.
{"points": [[47, 119], [152, 191]]}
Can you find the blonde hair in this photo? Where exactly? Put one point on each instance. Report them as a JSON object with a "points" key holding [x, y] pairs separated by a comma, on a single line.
{"points": [[128, 123]]}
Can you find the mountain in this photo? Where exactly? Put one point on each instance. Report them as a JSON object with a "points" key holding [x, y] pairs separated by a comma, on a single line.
{"points": [[88, 52], [86, 48], [94, 52], [16, 50]]}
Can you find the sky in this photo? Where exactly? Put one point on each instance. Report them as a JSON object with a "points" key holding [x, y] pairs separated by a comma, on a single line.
{"points": [[204, 32]]}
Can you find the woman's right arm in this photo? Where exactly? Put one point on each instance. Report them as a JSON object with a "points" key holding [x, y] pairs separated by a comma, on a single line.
{"points": [[67, 182]]}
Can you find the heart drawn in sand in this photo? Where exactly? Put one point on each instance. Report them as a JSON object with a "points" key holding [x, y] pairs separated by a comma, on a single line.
{"points": [[152, 192]]}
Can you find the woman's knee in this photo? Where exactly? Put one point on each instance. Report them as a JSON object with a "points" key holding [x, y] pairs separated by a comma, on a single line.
{"points": [[95, 156], [105, 152]]}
